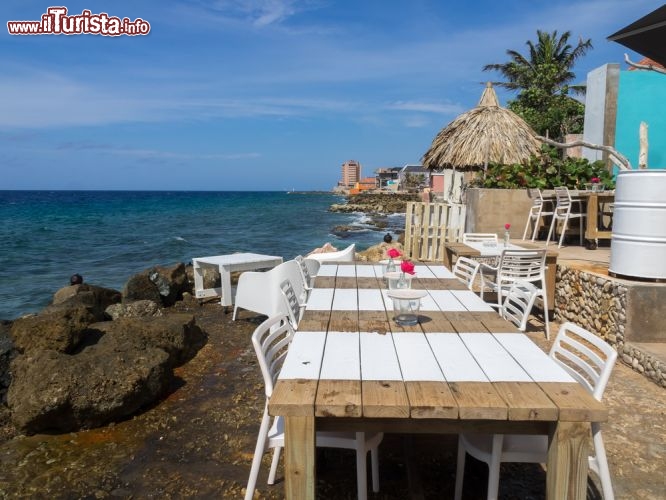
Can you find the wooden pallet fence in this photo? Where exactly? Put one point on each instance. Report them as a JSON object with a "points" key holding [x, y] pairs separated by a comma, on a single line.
{"points": [[428, 226]]}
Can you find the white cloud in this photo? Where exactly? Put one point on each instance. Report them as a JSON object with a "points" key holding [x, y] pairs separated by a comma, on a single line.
{"points": [[427, 107]]}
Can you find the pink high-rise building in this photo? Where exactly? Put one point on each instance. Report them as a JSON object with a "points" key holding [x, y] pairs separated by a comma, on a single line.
{"points": [[351, 173]]}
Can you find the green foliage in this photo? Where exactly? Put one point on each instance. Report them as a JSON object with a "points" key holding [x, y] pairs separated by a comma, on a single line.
{"points": [[545, 173], [541, 78]]}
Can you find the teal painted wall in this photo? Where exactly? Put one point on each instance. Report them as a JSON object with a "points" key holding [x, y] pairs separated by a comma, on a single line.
{"points": [[642, 97]]}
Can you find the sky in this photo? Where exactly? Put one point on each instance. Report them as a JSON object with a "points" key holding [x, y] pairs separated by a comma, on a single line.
{"points": [[261, 94]]}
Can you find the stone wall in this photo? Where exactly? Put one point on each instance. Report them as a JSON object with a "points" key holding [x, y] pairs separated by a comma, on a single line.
{"points": [[603, 305]]}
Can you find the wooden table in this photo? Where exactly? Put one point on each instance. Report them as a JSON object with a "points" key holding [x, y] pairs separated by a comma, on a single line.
{"points": [[462, 250], [460, 369], [593, 200], [226, 264]]}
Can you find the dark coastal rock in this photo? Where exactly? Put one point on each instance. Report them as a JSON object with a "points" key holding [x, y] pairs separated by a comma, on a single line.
{"points": [[60, 328], [164, 285], [136, 309], [129, 367], [176, 334], [52, 391], [7, 353], [95, 298]]}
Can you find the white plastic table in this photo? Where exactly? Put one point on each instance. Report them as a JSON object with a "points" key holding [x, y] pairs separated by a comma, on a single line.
{"points": [[226, 264]]}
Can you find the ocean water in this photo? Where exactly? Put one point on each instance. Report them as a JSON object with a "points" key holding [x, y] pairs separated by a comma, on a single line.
{"points": [[107, 236]]}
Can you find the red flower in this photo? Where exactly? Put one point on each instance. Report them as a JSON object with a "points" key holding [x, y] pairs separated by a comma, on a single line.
{"points": [[407, 267], [595, 180], [507, 226], [393, 253]]}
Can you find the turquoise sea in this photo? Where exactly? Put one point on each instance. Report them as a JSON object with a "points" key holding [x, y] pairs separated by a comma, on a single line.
{"points": [[107, 236]]}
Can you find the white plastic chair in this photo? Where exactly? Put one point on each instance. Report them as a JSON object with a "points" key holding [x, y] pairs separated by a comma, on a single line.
{"points": [[345, 255], [260, 291], [294, 309], [591, 367], [271, 340], [479, 237], [465, 270], [537, 211], [563, 212], [309, 269], [517, 265], [518, 303]]}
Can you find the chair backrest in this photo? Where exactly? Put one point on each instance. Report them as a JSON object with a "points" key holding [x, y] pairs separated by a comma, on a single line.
{"points": [[465, 270], [522, 265], [305, 271], [292, 305], [587, 358], [478, 237], [518, 303], [563, 198], [271, 340], [344, 255], [313, 266]]}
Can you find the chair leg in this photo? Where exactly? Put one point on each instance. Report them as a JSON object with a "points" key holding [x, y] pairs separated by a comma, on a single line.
{"points": [[527, 225], [537, 224], [550, 231], [602, 462], [374, 467], [258, 453], [564, 230], [494, 467], [274, 464], [361, 467], [460, 469], [544, 299]]}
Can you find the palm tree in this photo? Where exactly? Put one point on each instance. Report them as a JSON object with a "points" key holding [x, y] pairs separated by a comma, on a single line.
{"points": [[548, 65], [542, 81]]}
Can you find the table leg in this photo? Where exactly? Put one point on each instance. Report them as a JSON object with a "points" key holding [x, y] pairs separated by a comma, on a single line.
{"points": [[299, 457], [591, 227], [566, 469], [448, 258], [225, 285]]}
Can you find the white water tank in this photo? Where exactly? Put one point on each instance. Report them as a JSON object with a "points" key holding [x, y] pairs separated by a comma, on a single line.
{"points": [[638, 241]]}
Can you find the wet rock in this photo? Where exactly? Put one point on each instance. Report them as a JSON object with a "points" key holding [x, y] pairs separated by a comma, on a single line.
{"points": [[176, 334], [7, 353], [60, 328], [52, 391]]}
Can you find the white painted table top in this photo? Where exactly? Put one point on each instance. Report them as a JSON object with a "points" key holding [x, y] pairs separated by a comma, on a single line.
{"points": [[493, 250], [438, 357], [235, 258]]}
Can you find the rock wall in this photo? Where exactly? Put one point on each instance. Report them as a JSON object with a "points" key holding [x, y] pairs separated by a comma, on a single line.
{"points": [[600, 304], [375, 203]]}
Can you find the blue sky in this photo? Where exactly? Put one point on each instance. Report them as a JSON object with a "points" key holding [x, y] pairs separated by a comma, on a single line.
{"points": [[261, 95]]}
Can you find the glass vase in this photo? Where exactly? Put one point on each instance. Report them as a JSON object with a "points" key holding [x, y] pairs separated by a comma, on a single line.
{"points": [[507, 238]]}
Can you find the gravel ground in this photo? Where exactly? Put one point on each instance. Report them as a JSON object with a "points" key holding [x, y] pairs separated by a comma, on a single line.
{"points": [[198, 442]]}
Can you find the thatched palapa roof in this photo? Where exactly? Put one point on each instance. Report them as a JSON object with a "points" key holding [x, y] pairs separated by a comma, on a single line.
{"points": [[485, 134]]}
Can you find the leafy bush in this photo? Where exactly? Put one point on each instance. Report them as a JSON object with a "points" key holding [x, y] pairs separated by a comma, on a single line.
{"points": [[546, 172]]}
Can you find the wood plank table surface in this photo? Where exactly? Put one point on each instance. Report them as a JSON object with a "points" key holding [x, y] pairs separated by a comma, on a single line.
{"points": [[462, 368], [454, 250]]}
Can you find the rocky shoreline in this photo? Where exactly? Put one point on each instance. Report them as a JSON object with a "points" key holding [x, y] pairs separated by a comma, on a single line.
{"points": [[378, 207]]}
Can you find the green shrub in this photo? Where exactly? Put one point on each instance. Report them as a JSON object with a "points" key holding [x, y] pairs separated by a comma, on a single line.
{"points": [[546, 172]]}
